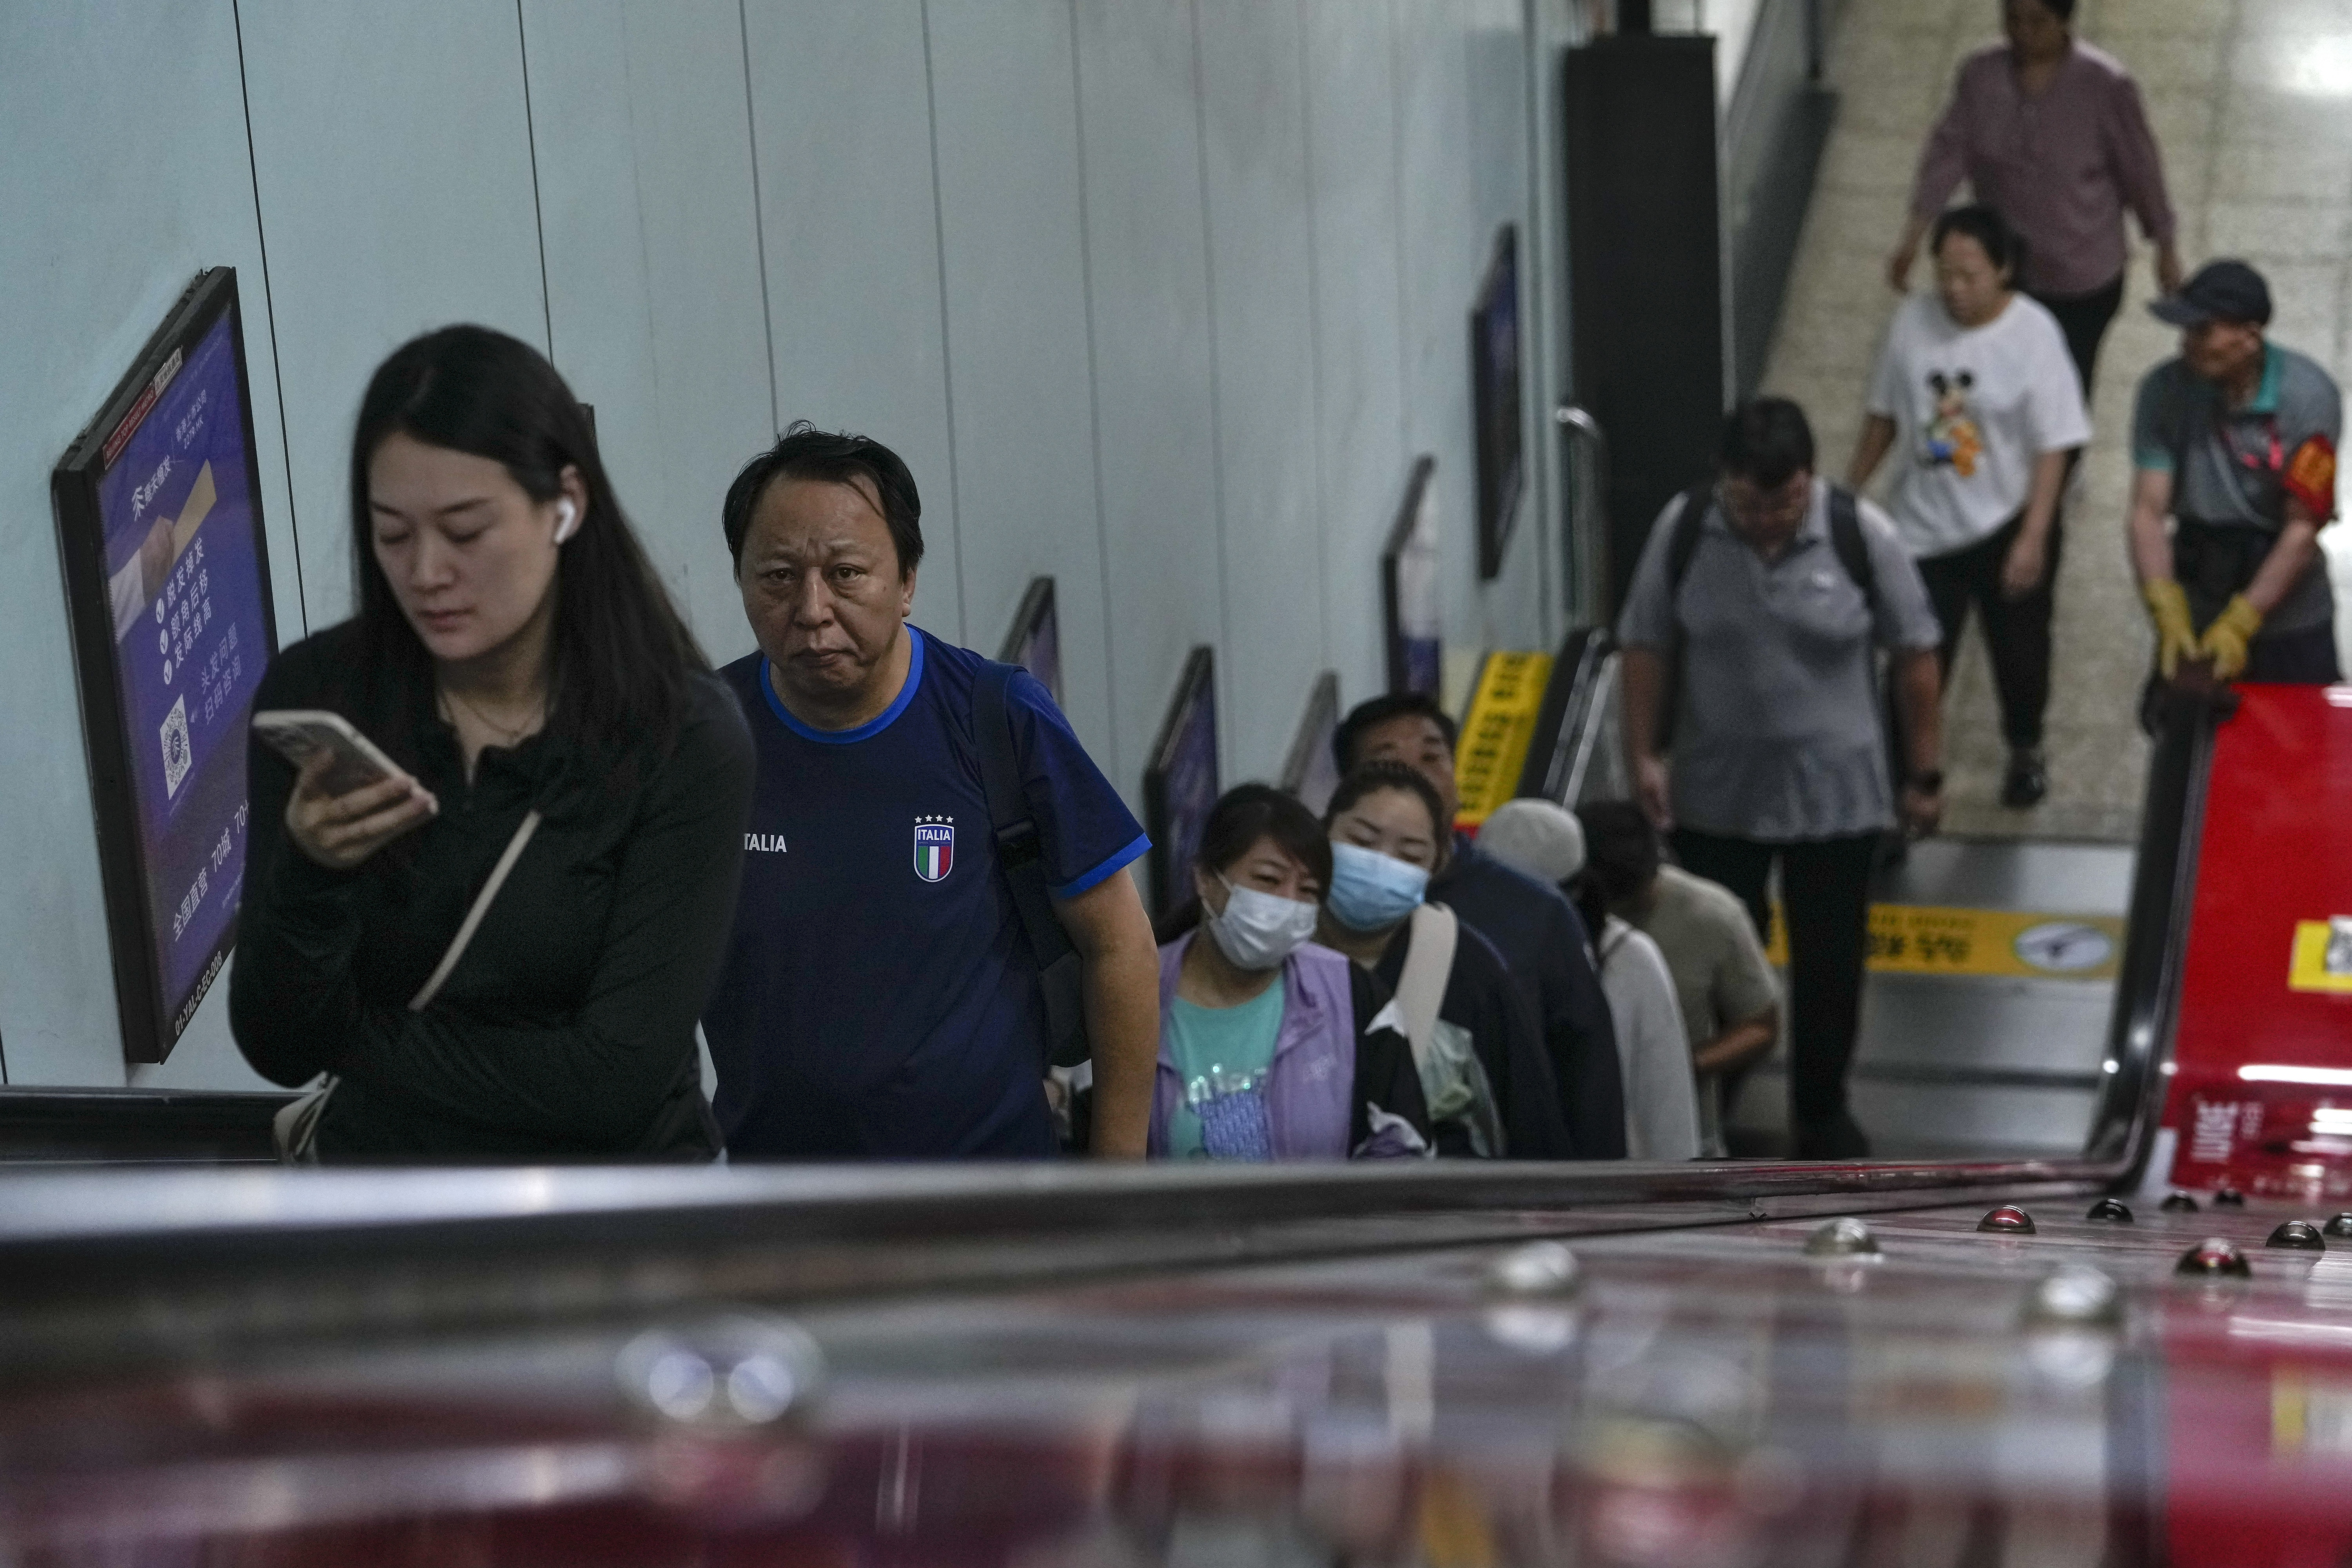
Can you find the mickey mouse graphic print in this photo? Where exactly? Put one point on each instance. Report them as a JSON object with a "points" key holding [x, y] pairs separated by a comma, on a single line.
{"points": [[1952, 440], [1974, 408]]}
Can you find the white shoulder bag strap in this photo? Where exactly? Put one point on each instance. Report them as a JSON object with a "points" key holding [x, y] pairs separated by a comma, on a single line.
{"points": [[1427, 965], [295, 1128]]}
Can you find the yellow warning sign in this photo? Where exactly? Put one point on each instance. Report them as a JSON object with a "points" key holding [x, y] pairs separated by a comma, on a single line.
{"points": [[1926, 939], [2309, 969], [1495, 739]]}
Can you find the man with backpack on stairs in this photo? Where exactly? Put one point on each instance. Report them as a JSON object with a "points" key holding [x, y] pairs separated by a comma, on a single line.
{"points": [[1753, 722]]}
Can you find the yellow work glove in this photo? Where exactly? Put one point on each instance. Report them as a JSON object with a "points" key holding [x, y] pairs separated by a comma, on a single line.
{"points": [[2167, 606], [2225, 640]]}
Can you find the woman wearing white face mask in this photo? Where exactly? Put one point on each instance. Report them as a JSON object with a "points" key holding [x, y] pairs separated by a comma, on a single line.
{"points": [[1480, 1059], [1270, 1046]]}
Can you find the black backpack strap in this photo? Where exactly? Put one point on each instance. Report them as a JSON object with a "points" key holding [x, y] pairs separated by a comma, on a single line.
{"points": [[1021, 856], [1018, 851], [1684, 545], [1853, 548]]}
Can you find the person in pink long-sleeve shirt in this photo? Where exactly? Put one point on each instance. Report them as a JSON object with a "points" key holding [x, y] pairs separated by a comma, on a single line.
{"points": [[2051, 133]]}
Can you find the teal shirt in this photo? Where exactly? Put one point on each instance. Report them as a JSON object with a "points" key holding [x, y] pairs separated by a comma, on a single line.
{"points": [[1200, 1040]]}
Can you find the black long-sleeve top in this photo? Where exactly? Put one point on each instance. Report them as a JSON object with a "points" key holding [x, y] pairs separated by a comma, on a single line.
{"points": [[1544, 943], [1481, 997], [567, 1030]]}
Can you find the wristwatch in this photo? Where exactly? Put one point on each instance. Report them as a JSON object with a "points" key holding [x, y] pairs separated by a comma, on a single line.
{"points": [[1929, 783]]}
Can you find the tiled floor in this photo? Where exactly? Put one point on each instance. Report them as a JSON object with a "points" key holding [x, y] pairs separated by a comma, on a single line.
{"points": [[2252, 102]]}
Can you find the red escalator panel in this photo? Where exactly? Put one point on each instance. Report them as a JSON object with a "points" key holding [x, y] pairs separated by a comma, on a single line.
{"points": [[2262, 1092]]}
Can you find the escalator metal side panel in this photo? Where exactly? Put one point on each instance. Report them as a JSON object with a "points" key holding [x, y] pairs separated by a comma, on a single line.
{"points": [[136, 1126]]}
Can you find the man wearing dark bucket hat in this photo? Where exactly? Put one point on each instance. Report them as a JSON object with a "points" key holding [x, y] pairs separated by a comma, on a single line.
{"points": [[2235, 442]]}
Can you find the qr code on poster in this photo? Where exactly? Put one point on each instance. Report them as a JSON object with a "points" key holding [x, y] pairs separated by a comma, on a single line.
{"points": [[177, 757]]}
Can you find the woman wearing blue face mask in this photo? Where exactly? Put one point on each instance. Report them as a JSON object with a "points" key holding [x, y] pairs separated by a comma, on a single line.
{"points": [[1270, 1046], [1482, 1065]]}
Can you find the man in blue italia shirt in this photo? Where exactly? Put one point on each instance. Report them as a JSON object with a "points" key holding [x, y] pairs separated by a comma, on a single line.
{"points": [[879, 998]]}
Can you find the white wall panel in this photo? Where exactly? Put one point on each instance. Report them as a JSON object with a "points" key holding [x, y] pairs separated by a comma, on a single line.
{"points": [[1359, 402], [1495, 156], [1020, 386], [126, 172], [1162, 297], [641, 118], [842, 131], [1147, 264], [1253, 146], [392, 157], [1443, 247], [1459, 180]]}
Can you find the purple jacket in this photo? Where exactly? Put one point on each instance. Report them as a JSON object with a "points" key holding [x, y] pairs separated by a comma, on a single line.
{"points": [[1331, 1068]]}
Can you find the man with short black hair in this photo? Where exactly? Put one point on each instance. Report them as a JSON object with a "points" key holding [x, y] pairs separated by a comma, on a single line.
{"points": [[1538, 933], [2235, 441], [1753, 627], [1730, 1002], [880, 996]]}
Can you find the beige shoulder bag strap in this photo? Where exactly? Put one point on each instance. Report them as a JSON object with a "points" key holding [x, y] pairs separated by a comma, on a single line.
{"points": [[457, 944], [1420, 989], [295, 1128]]}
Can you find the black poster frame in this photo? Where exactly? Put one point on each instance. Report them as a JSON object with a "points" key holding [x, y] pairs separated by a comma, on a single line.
{"points": [[1498, 404], [1037, 607], [1196, 686], [1394, 644], [150, 1024], [1311, 744]]}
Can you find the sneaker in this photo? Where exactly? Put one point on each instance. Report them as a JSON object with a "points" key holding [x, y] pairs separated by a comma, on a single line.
{"points": [[2027, 781]]}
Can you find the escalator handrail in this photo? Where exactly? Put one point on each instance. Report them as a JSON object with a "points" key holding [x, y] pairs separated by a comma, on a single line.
{"points": [[1564, 731], [2155, 943], [88, 1228]]}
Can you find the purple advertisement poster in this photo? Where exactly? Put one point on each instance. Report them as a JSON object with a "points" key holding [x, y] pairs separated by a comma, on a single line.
{"points": [[188, 595]]}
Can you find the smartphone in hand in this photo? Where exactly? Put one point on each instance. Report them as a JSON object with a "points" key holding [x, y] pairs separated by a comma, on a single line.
{"points": [[297, 734]]}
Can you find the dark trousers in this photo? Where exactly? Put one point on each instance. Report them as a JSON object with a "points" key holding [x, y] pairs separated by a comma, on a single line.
{"points": [[2084, 318], [1825, 891], [2307, 657], [2016, 631]]}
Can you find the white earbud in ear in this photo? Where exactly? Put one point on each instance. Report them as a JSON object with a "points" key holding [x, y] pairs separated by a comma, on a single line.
{"points": [[567, 519]]}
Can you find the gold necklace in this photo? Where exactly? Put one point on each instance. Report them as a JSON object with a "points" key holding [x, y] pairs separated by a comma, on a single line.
{"points": [[512, 734]]}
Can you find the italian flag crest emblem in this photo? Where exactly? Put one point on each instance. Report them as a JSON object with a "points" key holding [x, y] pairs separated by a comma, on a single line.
{"points": [[934, 848]]}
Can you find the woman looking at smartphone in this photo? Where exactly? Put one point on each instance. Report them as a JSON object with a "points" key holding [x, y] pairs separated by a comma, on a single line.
{"points": [[515, 655]]}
